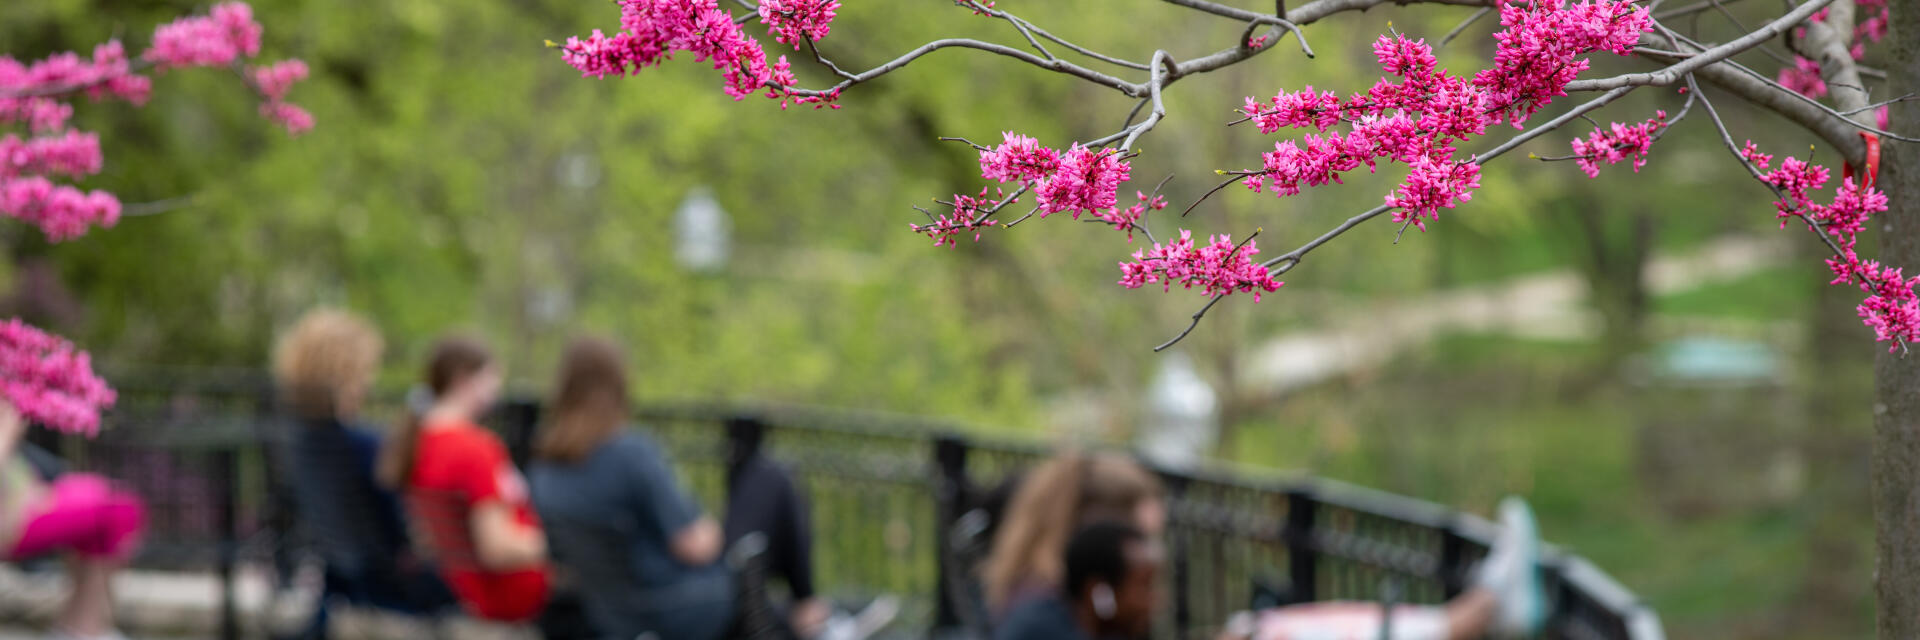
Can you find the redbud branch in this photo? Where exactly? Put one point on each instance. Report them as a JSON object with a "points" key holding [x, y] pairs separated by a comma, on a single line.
{"points": [[1018, 22], [1161, 60], [1877, 105], [155, 207], [1462, 27], [1135, 112], [133, 67], [815, 50], [1676, 71], [1696, 7], [1209, 194], [976, 146], [1771, 94], [1056, 65], [1727, 140], [1192, 322], [1257, 18]]}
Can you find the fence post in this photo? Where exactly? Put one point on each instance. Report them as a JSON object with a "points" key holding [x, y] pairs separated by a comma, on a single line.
{"points": [[1302, 558], [949, 494], [1182, 595], [226, 519], [1453, 548]]}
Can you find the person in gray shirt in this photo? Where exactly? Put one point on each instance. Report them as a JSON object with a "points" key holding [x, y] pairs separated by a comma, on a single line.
{"points": [[627, 538]]}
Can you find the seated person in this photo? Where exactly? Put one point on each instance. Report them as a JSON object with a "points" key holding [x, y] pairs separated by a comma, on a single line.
{"points": [[82, 514], [762, 498], [1063, 494], [470, 504], [323, 367], [603, 484], [1506, 600], [1107, 590]]}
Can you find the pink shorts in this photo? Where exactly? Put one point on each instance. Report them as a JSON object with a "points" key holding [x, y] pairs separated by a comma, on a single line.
{"points": [[82, 513], [1349, 621]]}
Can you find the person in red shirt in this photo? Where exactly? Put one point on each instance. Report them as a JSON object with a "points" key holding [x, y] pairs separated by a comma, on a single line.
{"points": [[469, 504]]}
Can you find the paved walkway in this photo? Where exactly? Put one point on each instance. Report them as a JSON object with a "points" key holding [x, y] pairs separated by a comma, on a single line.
{"points": [[1548, 305]]}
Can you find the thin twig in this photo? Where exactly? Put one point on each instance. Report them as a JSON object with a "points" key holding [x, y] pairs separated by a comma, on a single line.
{"points": [[1462, 27]]}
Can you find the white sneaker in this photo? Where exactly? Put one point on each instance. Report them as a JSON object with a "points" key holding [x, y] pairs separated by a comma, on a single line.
{"points": [[1512, 572]]}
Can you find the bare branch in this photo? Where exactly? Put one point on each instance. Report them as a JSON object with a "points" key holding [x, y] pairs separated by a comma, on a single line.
{"points": [[1677, 71], [1462, 27]]}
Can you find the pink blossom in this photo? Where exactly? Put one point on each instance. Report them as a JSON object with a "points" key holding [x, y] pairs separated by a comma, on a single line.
{"points": [[653, 30], [1618, 143], [1539, 50], [62, 212], [1434, 184], [794, 20], [49, 381], [286, 114], [1890, 308], [276, 79], [970, 214], [1018, 159], [218, 39], [1219, 268], [74, 154], [1803, 78], [1086, 180]]}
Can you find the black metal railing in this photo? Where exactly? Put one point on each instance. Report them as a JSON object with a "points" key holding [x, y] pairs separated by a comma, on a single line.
{"points": [[886, 492]]}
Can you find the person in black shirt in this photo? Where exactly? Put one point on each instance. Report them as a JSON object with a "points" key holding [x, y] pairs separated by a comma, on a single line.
{"points": [[1108, 591], [762, 498]]}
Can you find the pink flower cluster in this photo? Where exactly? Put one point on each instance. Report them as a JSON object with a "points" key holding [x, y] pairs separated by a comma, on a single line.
{"points": [[273, 82], [792, 21], [30, 94], [49, 381], [1219, 267], [39, 97], [1891, 308], [1087, 180], [75, 154], [1018, 159], [62, 212], [1078, 180], [1541, 50], [226, 34], [653, 30], [1804, 76], [1419, 112], [1618, 143], [970, 214]]}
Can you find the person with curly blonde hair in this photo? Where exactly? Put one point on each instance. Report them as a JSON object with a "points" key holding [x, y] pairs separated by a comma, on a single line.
{"points": [[324, 367]]}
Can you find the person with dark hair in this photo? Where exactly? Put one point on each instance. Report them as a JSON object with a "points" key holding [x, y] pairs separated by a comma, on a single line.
{"points": [[1107, 592], [762, 498], [643, 557], [1063, 494], [323, 367], [464, 493]]}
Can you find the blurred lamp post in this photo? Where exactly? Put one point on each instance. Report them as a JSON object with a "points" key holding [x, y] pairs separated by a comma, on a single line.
{"points": [[1183, 415], [701, 232]]}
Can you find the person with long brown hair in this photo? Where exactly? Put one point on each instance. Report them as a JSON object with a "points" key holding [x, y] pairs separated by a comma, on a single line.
{"points": [[464, 491], [1026, 581], [1057, 498], [605, 484]]}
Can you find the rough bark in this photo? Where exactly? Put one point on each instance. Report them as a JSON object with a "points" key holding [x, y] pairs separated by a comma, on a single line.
{"points": [[1896, 450]]}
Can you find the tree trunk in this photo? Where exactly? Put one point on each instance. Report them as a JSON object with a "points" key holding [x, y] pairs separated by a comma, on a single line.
{"points": [[1896, 446]]}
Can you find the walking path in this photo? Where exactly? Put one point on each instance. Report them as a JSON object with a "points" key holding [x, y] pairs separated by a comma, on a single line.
{"points": [[1548, 305]]}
